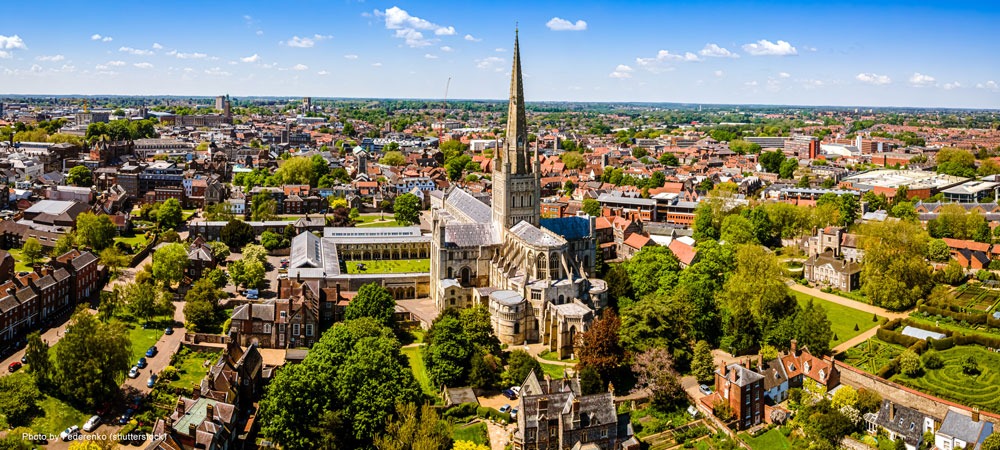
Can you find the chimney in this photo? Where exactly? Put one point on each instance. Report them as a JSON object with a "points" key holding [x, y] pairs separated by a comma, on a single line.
{"points": [[892, 411], [210, 412], [192, 429], [975, 414], [722, 369], [795, 347], [576, 406], [760, 362], [180, 407]]}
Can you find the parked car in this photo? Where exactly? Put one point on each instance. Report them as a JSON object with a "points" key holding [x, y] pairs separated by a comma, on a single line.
{"points": [[151, 381], [70, 433], [92, 423], [509, 394], [142, 363], [126, 417], [505, 408], [516, 389], [24, 359], [168, 331], [151, 352], [14, 366], [133, 372], [705, 390]]}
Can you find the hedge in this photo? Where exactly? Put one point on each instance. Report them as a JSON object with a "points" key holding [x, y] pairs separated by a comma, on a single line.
{"points": [[970, 318], [895, 337], [943, 344], [490, 413], [461, 411]]}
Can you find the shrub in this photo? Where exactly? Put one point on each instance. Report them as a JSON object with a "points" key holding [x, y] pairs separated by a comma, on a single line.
{"points": [[970, 366], [461, 411], [932, 360]]}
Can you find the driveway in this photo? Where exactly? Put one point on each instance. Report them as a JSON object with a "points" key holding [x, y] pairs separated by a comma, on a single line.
{"points": [[166, 346], [499, 435]]}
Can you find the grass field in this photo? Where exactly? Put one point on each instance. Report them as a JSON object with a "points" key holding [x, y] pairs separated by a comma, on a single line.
{"points": [[142, 339], [772, 440], [950, 382], [419, 370], [553, 370], [19, 264], [553, 356], [138, 241], [388, 223], [476, 432], [191, 367], [872, 354], [842, 318], [57, 416], [390, 266]]}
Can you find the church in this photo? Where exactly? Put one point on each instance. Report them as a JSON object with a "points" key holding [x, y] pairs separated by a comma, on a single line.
{"points": [[535, 275]]}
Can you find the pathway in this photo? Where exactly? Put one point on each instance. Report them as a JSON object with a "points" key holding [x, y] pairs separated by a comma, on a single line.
{"points": [[537, 349], [834, 298]]}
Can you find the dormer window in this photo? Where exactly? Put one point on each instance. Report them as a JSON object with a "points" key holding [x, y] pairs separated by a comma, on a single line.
{"points": [[791, 367]]}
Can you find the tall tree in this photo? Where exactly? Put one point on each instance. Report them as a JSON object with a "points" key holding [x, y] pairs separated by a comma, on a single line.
{"points": [[236, 233], [703, 364], [95, 230], [814, 328], [32, 251], [653, 269], [406, 209], [894, 274], [80, 176], [519, 364], [599, 346], [372, 301], [64, 244], [39, 362], [658, 320], [92, 359], [415, 429], [169, 263], [754, 297], [19, 397], [169, 214], [654, 369], [448, 352], [592, 207]]}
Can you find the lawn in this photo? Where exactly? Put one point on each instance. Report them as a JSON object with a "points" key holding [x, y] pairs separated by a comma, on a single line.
{"points": [[872, 354], [388, 223], [772, 440], [191, 367], [419, 370], [187, 213], [390, 266], [19, 264], [368, 218], [138, 241], [950, 382], [142, 339], [842, 318], [553, 356], [553, 370], [57, 416], [476, 432]]}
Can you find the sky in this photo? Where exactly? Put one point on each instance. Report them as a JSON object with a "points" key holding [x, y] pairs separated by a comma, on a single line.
{"points": [[885, 53]]}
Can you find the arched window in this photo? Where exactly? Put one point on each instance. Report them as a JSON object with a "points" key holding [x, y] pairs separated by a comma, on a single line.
{"points": [[562, 299], [540, 266], [466, 275]]}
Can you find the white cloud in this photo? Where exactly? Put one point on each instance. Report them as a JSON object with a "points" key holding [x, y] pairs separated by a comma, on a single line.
{"points": [[471, 38], [714, 51], [97, 37], [489, 62], [135, 51], [919, 80], [300, 67], [991, 85], [322, 72], [378, 64], [260, 32], [217, 71], [557, 24], [447, 49], [665, 56], [500, 50], [35, 68], [765, 47], [621, 72], [306, 42], [784, 75], [950, 86], [430, 56], [52, 58], [251, 59], [719, 73], [10, 43], [407, 26], [157, 46], [751, 83], [143, 65], [116, 63], [194, 55], [350, 56], [873, 78]]}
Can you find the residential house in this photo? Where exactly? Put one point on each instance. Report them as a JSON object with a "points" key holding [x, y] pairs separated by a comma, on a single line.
{"points": [[900, 422], [202, 423], [236, 376], [829, 270], [743, 390], [959, 431], [83, 271]]}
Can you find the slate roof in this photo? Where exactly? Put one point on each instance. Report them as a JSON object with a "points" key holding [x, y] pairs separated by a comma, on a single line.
{"points": [[741, 376], [962, 427], [461, 202], [906, 422], [261, 311], [470, 234], [570, 228], [535, 236]]}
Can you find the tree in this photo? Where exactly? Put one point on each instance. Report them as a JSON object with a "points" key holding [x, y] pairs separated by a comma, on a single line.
{"points": [[703, 365], [519, 364], [255, 252], [169, 214], [456, 166], [895, 274], [787, 168], [771, 161], [592, 207], [938, 250], [138, 298], [219, 212], [573, 160], [814, 329], [80, 176], [393, 158], [970, 366], [653, 269], [992, 442], [868, 401], [272, 241], [19, 396], [753, 298], [92, 359], [236, 233], [904, 211], [95, 230], [737, 230], [909, 363], [297, 170], [220, 251], [263, 207], [669, 159], [956, 161], [169, 263], [199, 315], [654, 370], [658, 320], [39, 362], [32, 251], [845, 396], [599, 346], [217, 277], [406, 209], [247, 272], [64, 244], [620, 291], [414, 429], [704, 227], [373, 301]]}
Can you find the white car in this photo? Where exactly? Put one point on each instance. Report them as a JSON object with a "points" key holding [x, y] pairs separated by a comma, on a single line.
{"points": [[134, 372], [70, 433], [92, 424], [516, 389]]}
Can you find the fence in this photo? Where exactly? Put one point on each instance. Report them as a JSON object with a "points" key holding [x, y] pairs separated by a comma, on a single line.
{"points": [[196, 338]]}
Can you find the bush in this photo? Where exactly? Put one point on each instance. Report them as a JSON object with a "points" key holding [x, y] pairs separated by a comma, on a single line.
{"points": [[932, 360], [461, 411], [169, 373], [490, 413]]}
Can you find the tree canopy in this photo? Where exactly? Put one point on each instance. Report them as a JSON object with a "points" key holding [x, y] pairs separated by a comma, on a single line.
{"points": [[372, 301], [894, 274], [406, 209]]}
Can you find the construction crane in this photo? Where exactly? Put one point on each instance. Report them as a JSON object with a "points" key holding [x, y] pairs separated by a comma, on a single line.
{"points": [[444, 112]]}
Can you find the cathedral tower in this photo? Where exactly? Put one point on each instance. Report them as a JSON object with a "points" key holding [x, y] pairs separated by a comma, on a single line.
{"points": [[516, 182]]}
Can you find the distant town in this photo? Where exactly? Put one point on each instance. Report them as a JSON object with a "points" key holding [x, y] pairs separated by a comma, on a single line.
{"points": [[312, 273]]}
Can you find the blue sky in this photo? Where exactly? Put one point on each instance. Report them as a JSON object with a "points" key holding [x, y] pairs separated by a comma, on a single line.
{"points": [[888, 53]]}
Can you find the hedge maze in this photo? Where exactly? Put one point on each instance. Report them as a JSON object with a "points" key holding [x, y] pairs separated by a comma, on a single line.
{"points": [[951, 382]]}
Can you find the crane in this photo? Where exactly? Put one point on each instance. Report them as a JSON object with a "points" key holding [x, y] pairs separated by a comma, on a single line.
{"points": [[444, 111]]}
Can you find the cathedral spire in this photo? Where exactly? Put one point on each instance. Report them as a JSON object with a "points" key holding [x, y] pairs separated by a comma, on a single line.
{"points": [[516, 143]]}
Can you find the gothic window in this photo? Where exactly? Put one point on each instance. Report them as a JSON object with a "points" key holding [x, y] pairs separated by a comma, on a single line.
{"points": [[517, 327]]}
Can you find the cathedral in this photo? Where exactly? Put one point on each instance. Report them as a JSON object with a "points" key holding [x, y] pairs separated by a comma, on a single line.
{"points": [[534, 274]]}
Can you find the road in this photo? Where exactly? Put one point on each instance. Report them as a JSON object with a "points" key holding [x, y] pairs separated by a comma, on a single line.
{"points": [[166, 346], [851, 304]]}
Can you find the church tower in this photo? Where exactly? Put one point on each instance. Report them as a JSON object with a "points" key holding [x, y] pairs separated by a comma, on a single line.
{"points": [[516, 174]]}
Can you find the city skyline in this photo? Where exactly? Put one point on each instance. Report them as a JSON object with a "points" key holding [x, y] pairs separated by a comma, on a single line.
{"points": [[891, 54]]}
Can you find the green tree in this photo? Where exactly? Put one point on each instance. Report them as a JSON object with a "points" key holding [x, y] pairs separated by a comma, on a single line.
{"points": [[297, 170], [484, 371], [32, 251], [591, 382], [519, 364], [448, 352], [169, 263], [737, 230], [220, 251], [169, 214], [217, 277], [272, 241], [80, 176], [573, 160], [247, 272], [895, 274], [219, 212], [64, 244], [592, 207], [393, 158], [92, 359], [415, 429], [669, 159], [704, 227], [653, 269], [656, 180], [904, 211], [19, 397], [236, 234], [956, 161], [938, 250], [372, 301], [39, 362], [661, 321], [753, 298], [95, 230], [199, 315], [703, 365], [263, 207], [771, 161], [992, 442], [814, 328], [909, 363], [868, 401], [406, 209], [787, 168]]}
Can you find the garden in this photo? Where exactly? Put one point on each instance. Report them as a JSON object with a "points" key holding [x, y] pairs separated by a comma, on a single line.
{"points": [[845, 322], [872, 355], [957, 380], [772, 439], [191, 366], [416, 359], [976, 297], [389, 266]]}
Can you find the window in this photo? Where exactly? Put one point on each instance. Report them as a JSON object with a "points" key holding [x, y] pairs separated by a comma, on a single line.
{"points": [[283, 314], [267, 328], [295, 329], [309, 329]]}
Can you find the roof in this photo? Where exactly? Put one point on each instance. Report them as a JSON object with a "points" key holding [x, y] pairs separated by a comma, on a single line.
{"points": [[684, 252], [533, 235], [469, 234], [741, 376], [464, 204], [570, 228], [920, 333], [962, 427], [906, 422]]}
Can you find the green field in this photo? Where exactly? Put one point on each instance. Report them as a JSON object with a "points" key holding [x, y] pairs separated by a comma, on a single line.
{"points": [[872, 354], [56, 416], [476, 432], [138, 241], [142, 339], [772, 440], [950, 382], [842, 318], [553, 370], [419, 370], [191, 367], [553, 356], [389, 223], [390, 266], [19, 264]]}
